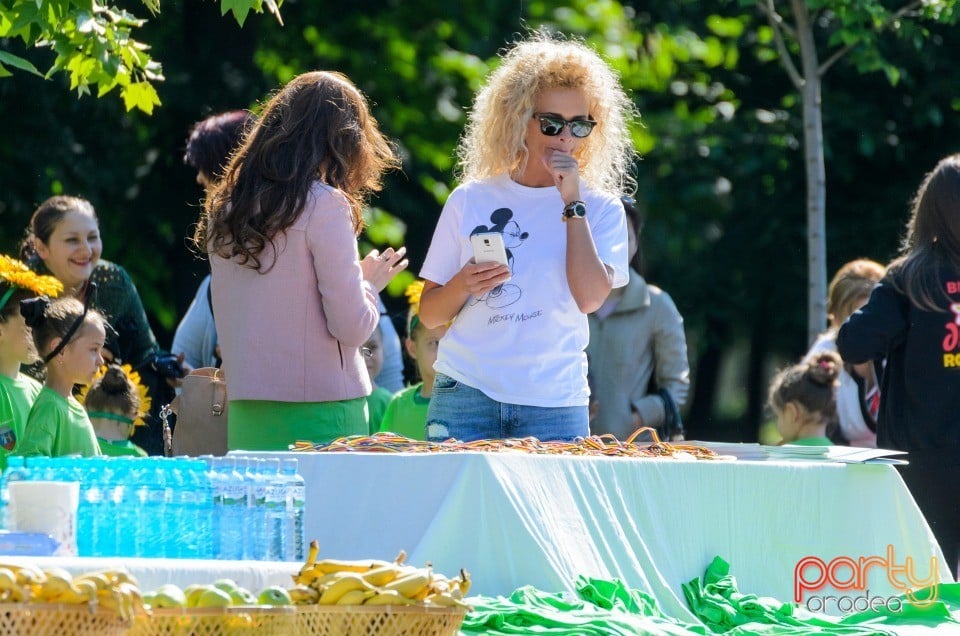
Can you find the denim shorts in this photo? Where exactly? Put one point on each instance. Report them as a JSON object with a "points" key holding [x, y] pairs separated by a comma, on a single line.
{"points": [[467, 414]]}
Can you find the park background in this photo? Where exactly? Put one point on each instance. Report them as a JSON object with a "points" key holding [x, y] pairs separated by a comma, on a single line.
{"points": [[721, 176]]}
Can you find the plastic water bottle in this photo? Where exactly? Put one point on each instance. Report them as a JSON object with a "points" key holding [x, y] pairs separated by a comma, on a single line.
{"points": [[183, 523], [152, 497], [206, 519], [255, 547], [215, 481], [233, 495], [295, 491], [126, 504], [105, 513], [275, 509], [88, 510]]}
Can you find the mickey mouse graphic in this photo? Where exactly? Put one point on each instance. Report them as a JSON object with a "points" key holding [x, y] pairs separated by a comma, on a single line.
{"points": [[501, 220]]}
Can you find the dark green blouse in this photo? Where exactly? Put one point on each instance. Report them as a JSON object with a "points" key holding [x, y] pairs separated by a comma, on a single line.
{"points": [[118, 300]]}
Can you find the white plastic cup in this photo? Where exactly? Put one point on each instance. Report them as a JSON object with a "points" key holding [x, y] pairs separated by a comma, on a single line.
{"points": [[49, 507]]}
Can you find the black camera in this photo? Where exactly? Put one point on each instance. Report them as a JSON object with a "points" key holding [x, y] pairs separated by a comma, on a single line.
{"points": [[168, 365]]}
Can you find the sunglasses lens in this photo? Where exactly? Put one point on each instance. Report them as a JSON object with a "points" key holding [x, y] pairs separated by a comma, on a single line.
{"points": [[581, 128], [551, 126]]}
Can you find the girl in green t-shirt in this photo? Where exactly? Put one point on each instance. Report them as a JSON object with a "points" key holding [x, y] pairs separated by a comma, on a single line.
{"points": [[70, 336], [804, 399], [18, 391], [116, 402]]}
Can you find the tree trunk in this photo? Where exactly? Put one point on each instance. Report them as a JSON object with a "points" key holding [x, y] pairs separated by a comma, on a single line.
{"points": [[816, 174]]}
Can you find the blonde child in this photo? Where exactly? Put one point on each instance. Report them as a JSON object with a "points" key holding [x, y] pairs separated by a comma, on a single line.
{"points": [[116, 403], [407, 412], [858, 395], [804, 399], [18, 391], [380, 397], [69, 336]]}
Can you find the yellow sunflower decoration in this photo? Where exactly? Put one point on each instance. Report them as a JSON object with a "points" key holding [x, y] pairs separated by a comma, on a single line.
{"points": [[413, 293], [16, 275], [134, 377]]}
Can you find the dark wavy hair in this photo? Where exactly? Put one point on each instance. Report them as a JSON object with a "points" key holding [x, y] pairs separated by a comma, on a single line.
{"points": [[318, 127], [211, 141], [932, 241]]}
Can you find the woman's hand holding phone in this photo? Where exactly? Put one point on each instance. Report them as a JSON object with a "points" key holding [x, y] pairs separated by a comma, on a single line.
{"points": [[479, 278]]}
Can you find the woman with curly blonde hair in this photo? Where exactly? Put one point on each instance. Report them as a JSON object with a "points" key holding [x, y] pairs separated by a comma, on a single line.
{"points": [[293, 301], [543, 160]]}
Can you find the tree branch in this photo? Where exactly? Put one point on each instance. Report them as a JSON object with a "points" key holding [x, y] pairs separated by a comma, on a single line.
{"points": [[902, 11], [779, 28]]}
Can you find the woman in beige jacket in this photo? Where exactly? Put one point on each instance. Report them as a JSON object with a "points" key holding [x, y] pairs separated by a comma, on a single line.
{"points": [[637, 354]]}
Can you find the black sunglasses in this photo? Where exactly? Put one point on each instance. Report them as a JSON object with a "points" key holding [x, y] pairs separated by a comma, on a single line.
{"points": [[551, 125]]}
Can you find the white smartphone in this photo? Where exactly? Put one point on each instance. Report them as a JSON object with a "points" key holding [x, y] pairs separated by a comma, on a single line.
{"points": [[488, 247]]}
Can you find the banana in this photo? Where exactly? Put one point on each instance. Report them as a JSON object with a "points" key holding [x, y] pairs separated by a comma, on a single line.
{"points": [[389, 597], [133, 596], [446, 600], [303, 595], [400, 558], [346, 583], [10, 590], [57, 581], [464, 583], [326, 566], [83, 593], [355, 597], [311, 560], [386, 574], [322, 581], [100, 578], [8, 580], [412, 585], [26, 574]]}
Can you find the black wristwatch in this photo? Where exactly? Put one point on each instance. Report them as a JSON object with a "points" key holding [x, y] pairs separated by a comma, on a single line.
{"points": [[574, 210]]}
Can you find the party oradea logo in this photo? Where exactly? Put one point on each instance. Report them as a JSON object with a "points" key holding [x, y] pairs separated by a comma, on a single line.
{"points": [[842, 584]]}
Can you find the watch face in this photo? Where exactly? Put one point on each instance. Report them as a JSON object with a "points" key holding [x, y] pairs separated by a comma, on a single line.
{"points": [[575, 209]]}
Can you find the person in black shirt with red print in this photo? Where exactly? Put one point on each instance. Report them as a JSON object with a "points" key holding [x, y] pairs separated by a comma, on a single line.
{"points": [[912, 320]]}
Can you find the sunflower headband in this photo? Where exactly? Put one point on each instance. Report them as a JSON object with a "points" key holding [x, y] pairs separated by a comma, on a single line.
{"points": [[134, 378], [413, 292], [18, 276]]}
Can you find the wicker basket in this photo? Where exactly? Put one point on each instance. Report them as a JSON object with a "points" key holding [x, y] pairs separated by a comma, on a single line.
{"points": [[257, 620], [38, 619], [383, 620]]}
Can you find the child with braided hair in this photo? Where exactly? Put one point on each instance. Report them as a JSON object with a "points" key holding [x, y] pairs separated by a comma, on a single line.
{"points": [[116, 403], [406, 413], [69, 336], [18, 391], [804, 398]]}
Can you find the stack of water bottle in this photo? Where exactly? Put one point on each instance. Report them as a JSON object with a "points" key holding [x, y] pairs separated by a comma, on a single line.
{"points": [[192, 508]]}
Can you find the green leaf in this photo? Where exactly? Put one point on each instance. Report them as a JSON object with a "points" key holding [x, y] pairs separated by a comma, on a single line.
{"points": [[725, 27], [140, 95], [240, 9], [10, 59]]}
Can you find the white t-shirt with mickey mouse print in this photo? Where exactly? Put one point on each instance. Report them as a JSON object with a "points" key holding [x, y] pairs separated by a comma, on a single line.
{"points": [[524, 342]]}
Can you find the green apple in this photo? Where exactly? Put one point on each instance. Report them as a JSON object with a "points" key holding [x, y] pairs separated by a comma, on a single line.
{"points": [[193, 592], [214, 597], [274, 595], [227, 585], [169, 595], [242, 596], [150, 599]]}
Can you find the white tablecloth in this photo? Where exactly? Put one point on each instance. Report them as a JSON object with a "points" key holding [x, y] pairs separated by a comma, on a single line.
{"points": [[518, 519]]}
